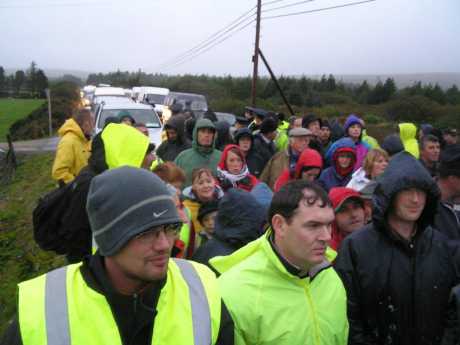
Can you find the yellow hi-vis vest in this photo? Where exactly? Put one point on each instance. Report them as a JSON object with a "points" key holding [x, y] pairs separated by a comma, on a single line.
{"points": [[59, 308]]}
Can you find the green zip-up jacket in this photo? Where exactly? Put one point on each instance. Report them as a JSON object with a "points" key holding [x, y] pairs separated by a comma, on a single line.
{"points": [[198, 156]]}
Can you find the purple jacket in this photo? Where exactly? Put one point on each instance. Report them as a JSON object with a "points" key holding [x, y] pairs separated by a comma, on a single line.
{"points": [[361, 147]]}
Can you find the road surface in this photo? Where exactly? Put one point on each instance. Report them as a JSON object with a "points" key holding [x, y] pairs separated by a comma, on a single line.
{"points": [[33, 146]]}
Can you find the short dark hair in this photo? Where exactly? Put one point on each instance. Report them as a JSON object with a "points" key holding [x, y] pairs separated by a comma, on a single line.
{"points": [[426, 138], [287, 200]]}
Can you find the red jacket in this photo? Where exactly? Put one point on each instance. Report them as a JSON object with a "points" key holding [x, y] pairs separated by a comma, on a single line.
{"points": [[308, 158], [246, 183], [338, 195]]}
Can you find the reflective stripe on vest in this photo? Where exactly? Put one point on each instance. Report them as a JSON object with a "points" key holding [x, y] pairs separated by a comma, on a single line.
{"points": [[201, 315], [56, 308]]}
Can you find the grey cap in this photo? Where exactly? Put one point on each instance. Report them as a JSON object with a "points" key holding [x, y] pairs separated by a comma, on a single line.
{"points": [[299, 132], [125, 202]]}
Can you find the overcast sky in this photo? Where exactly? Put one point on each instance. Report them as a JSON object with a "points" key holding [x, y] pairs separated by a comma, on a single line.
{"points": [[380, 37]]}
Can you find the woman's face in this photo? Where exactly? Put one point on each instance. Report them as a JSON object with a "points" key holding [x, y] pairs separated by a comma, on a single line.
{"points": [[234, 163], [379, 166], [354, 131], [203, 186], [344, 159]]}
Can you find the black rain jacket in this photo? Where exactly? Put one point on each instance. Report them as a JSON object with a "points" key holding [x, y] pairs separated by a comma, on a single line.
{"points": [[398, 290]]}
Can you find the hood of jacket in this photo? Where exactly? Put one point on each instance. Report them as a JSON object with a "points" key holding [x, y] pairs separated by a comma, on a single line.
{"points": [[308, 158], [124, 145], [71, 126], [203, 123], [223, 156], [239, 220], [351, 120], [392, 144], [341, 143], [338, 196], [404, 172], [177, 122], [408, 135]]}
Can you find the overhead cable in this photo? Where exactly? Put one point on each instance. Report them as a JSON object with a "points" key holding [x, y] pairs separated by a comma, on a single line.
{"points": [[318, 9]]}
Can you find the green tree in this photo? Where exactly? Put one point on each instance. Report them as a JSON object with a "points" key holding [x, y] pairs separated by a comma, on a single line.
{"points": [[330, 84], [41, 82], [32, 77], [453, 95], [389, 89], [2, 79], [18, 81]]}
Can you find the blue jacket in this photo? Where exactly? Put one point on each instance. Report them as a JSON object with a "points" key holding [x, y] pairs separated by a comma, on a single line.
{"points": [[329, 177]]}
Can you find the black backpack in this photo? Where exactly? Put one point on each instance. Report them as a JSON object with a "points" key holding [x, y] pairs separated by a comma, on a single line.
{"points": [[48, 219]]}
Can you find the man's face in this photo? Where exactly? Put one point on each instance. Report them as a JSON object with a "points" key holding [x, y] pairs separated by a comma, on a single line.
{"points": [[271, 135], [205, 137], [245, 144], [303, 240], [298, 144], [248, 115], [430, 152], [350, 217], [258, 120], [409, 204], [450, 138], [145, 258], [314, 127], [171, 134], [297, 123], [354, 131], [324, 134]]}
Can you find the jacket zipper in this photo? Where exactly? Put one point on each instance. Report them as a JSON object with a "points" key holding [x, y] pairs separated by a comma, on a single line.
{"points": [[313, 312]]}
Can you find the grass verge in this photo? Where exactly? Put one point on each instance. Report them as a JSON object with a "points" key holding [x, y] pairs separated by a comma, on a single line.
{"points": [[12, 110], [20, 257]]}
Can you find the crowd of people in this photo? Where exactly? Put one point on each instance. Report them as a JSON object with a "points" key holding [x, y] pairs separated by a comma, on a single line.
{"points": [[270, 231]]}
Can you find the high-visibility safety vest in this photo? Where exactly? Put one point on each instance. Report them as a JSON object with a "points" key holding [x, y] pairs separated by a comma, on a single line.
{"points": [[59, 308]]}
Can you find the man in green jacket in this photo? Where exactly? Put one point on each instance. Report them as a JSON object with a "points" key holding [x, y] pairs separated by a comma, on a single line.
{"points": [[281, 289], [202, 154]]}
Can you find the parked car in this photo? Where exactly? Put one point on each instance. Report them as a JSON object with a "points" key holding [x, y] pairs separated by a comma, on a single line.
{"points": [[189, 101], [140, 112], [106, 94]]}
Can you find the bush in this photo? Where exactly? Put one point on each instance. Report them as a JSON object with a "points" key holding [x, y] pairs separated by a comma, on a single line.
{"points": [[372, 119], [412, 108]]}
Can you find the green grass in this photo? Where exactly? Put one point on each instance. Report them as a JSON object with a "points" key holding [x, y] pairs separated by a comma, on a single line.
{"points": [[12, 110], [20, 257]]}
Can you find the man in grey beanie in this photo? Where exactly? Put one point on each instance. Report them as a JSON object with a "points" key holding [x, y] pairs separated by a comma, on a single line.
{"points": [[130, 291]]}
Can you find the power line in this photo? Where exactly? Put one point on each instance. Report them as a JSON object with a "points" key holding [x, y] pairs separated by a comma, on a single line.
{"points": [[286, 6], [214, 37], [45, 5], [209, 48], [318, 9], [271, 2]]}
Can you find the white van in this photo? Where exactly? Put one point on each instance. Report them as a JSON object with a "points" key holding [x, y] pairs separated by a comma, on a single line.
{"points": [[104, 94], [154, 96]]}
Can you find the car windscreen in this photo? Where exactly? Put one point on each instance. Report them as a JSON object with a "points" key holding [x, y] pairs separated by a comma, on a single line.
{"points": [[154, 99], [146, 116], [191, 102]]}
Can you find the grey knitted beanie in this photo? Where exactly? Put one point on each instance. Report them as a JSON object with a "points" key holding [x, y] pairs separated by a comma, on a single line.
{"points": [[125, 202]]}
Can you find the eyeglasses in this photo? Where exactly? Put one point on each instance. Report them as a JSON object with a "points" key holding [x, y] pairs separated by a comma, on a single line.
{"points": [[169, 230]]}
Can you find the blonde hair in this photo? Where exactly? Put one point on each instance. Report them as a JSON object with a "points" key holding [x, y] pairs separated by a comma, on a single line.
{"points": [[371, 157]]}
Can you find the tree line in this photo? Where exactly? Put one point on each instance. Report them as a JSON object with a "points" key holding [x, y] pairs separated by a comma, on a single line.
{"points": [[300, 91], [29, 83]]}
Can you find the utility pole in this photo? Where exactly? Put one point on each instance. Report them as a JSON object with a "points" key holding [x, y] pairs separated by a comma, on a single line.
{"points": [[255, 57]]}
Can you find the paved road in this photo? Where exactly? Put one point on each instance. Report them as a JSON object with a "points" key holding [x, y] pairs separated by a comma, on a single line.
{"points": [[33, 146]]}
